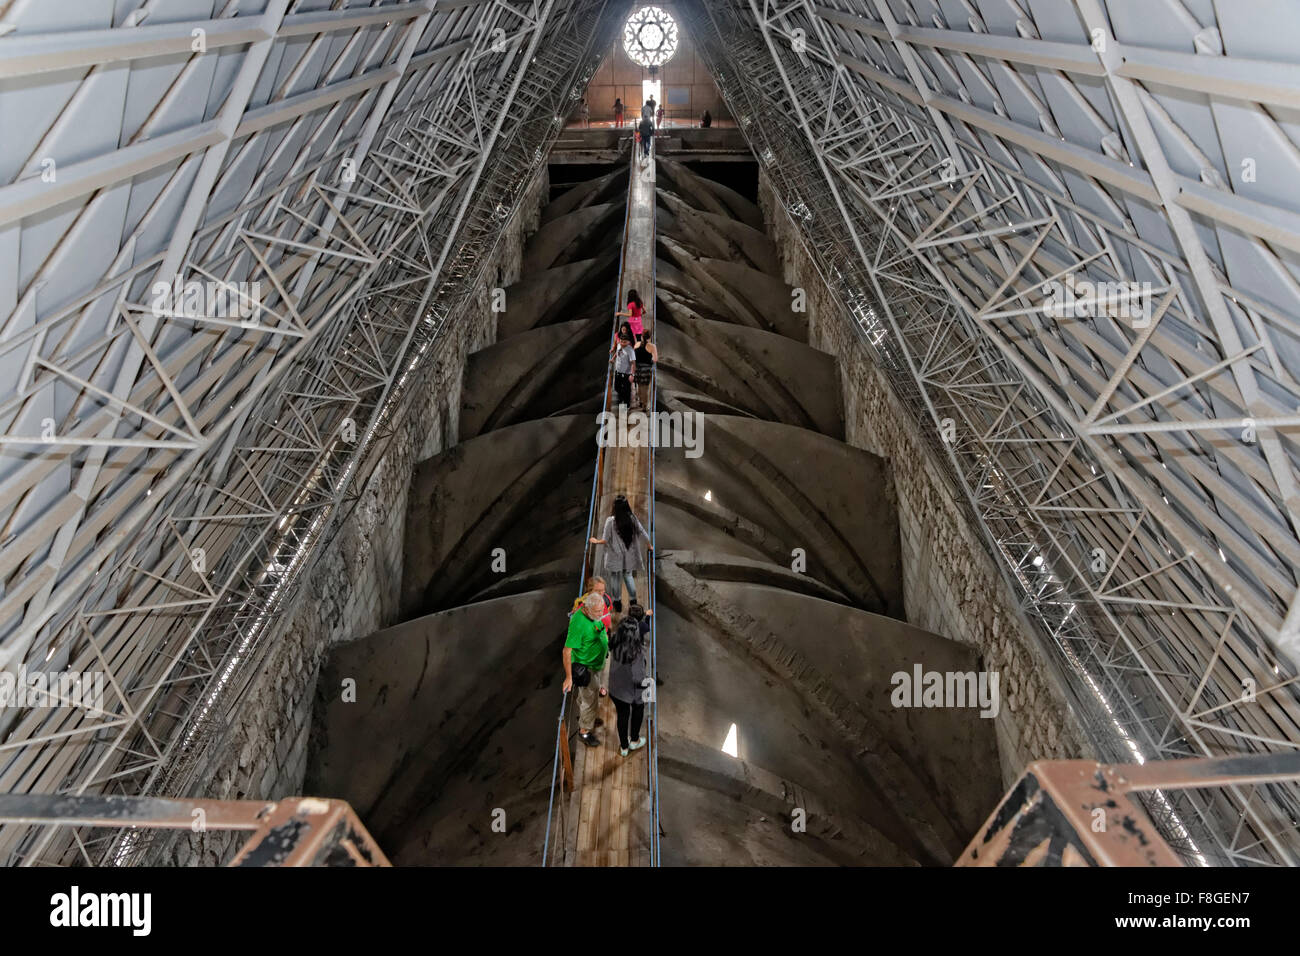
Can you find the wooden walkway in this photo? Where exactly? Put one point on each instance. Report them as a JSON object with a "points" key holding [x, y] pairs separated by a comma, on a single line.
{"points": [[609, 809]]}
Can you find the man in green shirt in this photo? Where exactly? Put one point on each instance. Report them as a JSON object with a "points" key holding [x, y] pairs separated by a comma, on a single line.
{"points": [[587, 644]]}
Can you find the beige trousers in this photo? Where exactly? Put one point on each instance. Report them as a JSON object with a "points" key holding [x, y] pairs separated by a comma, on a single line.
{"points": [[588, 703]]}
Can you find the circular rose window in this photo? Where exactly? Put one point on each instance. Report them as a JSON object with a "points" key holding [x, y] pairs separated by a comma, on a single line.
{"points": [[650, 36]]}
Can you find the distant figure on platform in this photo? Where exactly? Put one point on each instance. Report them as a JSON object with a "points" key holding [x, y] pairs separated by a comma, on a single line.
{"points": [[624, 369], [646, 356], [659, 117], [648, 109], [618, 112], [628, 683], [635, 315], [706, 120], [645, 133], [584, 113], [584, 653], [621, 536]]}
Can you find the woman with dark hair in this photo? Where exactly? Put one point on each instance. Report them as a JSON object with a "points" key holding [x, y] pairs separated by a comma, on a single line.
{"points": [[621, 536], [635, 313], [618, 111], [646, 356], [628, 685]]}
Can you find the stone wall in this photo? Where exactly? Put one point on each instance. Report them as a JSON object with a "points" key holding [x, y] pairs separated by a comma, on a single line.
{"points": [[951, 584], [353, 588]]}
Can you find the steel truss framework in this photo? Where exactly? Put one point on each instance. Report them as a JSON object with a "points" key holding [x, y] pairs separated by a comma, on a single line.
{"points": [[338, 175], [947, 161]]}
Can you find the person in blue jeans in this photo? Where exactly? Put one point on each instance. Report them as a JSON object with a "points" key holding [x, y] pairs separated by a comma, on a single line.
{"points": [[621, 537]]}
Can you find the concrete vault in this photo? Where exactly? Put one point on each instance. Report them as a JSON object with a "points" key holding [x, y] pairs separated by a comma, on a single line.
{"points": [[459, 698]]}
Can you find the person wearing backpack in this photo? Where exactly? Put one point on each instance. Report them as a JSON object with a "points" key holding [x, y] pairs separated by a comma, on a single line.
{"points": [[627, 677], [584, 653], [646, 356], [645, 136]]}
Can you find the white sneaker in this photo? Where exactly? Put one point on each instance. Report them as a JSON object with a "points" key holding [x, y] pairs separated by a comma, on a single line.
{"points": [[637, 744]]}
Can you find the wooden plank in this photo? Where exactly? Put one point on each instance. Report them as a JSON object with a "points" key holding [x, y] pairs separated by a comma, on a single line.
{"points": [[586, 831], [573, 811], [624, 813], [613, 824], [606, 795], [569, 779], [640, 774], [639, 836]]}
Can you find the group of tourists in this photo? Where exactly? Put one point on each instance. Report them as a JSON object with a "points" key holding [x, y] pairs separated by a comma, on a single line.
{"points": [[651, 112], [634, 355], [601, 659], [652, 115]]}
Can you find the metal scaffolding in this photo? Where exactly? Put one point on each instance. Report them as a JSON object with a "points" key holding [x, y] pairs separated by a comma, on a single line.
{"points": [[169, 474], [1057, 264], [1068, 231]]}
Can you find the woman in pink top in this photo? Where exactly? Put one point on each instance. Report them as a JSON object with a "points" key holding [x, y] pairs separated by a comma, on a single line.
{"points": [[634, 313]]}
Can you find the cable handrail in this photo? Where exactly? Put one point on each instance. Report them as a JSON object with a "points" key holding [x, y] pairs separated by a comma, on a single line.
{"points": [[596, 491], [652, 399]]}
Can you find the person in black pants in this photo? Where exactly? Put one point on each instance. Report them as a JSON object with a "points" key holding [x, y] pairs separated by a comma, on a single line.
{"points": [[628, 685], [624, 364], [646, 355]]}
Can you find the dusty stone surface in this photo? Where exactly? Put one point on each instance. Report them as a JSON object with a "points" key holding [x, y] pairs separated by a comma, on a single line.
{"points": [[951, 584]]}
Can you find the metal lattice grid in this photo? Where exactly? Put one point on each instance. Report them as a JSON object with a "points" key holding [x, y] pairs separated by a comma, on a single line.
{"points": [[360, 164], [947, 163]]}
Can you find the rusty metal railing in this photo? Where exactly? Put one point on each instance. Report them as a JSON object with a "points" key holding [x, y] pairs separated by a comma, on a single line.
{"points": [[296, 831], [1080, 813]]}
